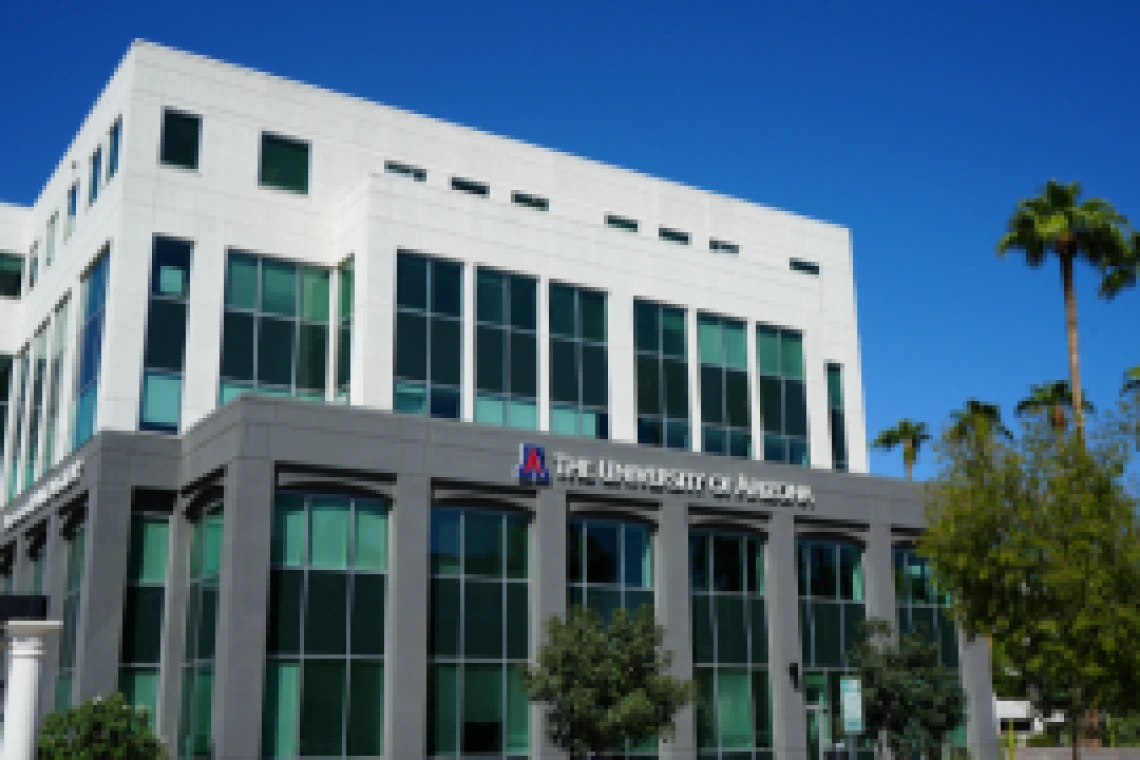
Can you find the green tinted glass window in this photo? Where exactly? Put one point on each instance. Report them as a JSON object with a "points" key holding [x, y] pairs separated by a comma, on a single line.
{"points": [[429, 335], [725, 404], [284, 163], [479, 632], [181, 139], [783, 397], [661, 372], [328, 595]]}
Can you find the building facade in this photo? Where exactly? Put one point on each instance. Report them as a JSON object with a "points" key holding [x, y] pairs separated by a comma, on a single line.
{"points": [[284, 370]]}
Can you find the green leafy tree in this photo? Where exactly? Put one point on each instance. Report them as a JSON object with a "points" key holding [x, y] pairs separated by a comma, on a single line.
{"points": [[100, 729], [1055, 400], [909, 697], [977, 423], [1059, 223], [605, 685], [908, 434], [1038, 545]]}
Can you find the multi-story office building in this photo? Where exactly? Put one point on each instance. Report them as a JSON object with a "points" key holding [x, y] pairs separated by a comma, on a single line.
{"points": [[271, 354]]}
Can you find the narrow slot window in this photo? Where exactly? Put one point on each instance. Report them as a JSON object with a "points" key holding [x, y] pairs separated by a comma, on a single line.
{"points": [[470, 186], [806, 267], [721, 246], [670, 235], [405, 170], [530, 201], [621, 223]]}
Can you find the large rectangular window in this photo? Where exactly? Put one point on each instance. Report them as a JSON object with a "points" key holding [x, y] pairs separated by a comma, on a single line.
{"points": [[662, 375], [144, 606], [11, 275], [114, 143], [38, 377], [69, 633], [730, 646], [55, 382], [95, 176], [346, 277], [275, 332], [726, 414], [479, 634], [922, 607], [506, 349], [429, 335], [284, 163], [837, 418], [164, 356], [194, 733], [324, 670], [783, 394], [19, 393], [830, 582], [579, 362], [181, 139], [93, 305]]}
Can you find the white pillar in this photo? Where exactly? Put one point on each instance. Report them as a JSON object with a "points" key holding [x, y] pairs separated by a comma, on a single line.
{"points": [[25, 656]]}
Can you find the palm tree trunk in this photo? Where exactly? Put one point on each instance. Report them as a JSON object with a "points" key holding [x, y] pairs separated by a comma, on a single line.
{"points": [[1071, 330]]}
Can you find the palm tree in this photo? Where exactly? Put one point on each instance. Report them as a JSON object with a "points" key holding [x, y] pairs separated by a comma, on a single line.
{"points": [[978, 420], [910, 435], [1054, 399], [1058, 222]]}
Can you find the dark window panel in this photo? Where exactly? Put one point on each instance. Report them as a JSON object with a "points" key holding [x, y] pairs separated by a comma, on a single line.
{"points": [[284, 163]]}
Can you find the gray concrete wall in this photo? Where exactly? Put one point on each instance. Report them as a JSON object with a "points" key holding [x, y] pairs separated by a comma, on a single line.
{"points": [[244, 447]]}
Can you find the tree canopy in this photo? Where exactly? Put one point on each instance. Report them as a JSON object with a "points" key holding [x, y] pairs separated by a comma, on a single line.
{"points": [[1058, 223], [908, 695], [1054, 399], [1037, 541], [908, 434], [605, 685]]}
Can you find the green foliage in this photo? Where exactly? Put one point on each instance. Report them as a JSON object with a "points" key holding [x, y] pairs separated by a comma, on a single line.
{"points": [[908, 434], [1057, 221], [101, 729], [1123, 731], [907, 694], [1054, 399], [1043, 739], [604, 685], [977, 423], [1038, 543]]}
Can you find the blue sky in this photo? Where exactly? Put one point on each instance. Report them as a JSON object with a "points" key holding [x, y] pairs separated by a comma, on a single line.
{"points": [[917, 125]]}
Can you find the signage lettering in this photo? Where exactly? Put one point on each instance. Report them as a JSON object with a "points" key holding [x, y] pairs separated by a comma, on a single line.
{"points": [[614, 474]]}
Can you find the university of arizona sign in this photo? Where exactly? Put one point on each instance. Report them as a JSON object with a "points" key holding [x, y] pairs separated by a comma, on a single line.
{"points": [[532, 468]]}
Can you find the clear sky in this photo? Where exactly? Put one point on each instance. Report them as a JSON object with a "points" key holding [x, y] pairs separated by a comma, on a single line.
{"points": [[916, 125]]}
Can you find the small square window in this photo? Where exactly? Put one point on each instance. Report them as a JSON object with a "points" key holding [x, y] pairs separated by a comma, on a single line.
{"points": [[181, 139], [284, 163]]}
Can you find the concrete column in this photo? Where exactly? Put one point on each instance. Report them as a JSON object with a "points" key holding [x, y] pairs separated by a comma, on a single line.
{"points": [[977, 680], [406, 707], [623, 409], [54, 587], [543, 337], [25, 656], [239, 664], [674, 612], [547, 596], [788, 719], [108, 528], [878, 574]]}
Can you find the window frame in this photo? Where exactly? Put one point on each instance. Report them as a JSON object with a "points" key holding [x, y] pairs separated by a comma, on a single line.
{"points": [[197, 167], [292, 141]]}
